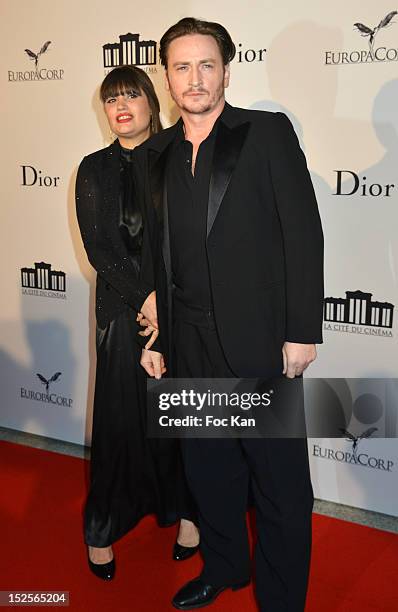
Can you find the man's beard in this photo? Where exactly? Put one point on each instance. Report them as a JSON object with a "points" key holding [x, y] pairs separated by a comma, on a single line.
{"points": [[202, 107], [199, 110]]}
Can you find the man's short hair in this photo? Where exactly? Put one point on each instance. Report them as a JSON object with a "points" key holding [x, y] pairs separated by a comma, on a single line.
{"points": [[190, 25]]}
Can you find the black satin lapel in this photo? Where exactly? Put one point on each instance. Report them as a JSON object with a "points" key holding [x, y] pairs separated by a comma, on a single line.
{"points": [[229, 143]]}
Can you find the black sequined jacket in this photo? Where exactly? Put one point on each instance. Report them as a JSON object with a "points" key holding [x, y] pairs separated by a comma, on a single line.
{"points": [[119, 286]]}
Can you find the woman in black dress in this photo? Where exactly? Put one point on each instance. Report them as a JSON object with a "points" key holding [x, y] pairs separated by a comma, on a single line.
{"points": [[131, 475]]}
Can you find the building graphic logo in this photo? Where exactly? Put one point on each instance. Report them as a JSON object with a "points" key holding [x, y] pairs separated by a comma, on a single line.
{"points": [[46, 397], [38, 74], [372, 53], [357, 313], [41, 281], [130, 50]]}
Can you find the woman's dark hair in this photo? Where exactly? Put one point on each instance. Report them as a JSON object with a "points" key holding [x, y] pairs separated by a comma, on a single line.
{"points": [[124, 79], [190, 25]]}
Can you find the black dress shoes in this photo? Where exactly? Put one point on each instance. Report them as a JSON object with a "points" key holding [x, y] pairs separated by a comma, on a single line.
{"points": [[105, 571], [198, 594], [180, 553]]}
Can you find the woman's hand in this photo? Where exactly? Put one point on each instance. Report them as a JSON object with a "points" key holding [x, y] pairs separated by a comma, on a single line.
{"points": [[153, 363]]}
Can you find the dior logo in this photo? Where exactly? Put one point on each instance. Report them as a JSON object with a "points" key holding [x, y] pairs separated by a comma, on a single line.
{"points": [[250, 55], [362, 186], [31, 177]]}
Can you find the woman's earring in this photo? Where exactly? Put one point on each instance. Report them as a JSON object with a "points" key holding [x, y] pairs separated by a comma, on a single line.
{"points": [[151, 124], [111, 135]]}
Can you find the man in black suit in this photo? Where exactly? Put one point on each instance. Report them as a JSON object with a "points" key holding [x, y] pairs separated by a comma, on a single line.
{"points": [[239, 281]]}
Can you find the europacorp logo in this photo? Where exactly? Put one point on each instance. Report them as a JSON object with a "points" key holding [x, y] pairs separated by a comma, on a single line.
{"points": [[373, 53], [48, 396], [39, 72], [353, 456]]}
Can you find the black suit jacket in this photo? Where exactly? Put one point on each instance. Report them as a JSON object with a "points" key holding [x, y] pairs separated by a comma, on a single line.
{"points": [[97, 205], [264, 239]]}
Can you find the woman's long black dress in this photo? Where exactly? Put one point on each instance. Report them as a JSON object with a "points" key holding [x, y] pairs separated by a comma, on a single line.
{"points": [[131, 475]]}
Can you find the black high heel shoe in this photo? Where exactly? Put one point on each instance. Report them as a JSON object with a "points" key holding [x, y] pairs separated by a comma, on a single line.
{"points": [[181, 553], [105, 571]]}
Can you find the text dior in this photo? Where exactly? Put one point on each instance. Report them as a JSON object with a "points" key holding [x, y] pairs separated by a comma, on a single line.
{"points": [[250, 55], [353, 185], [31, 176]]}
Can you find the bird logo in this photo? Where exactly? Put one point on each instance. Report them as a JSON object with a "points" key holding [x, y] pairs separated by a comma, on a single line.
{"points": [[356, 439], [35, 56], [46, 382], [371, 32]]}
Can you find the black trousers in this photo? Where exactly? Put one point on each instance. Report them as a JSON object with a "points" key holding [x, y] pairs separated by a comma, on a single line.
{"points": [[219, 472]]}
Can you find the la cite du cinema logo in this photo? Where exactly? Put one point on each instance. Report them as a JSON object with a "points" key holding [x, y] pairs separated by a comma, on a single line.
{"points": [[130, 51], [373, 52]]}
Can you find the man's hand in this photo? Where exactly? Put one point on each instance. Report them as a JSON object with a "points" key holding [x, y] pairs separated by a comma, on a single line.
{"points": [[148, 309], [153, 363], [297, 357]]}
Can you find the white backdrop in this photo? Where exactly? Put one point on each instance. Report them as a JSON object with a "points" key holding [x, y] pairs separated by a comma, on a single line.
{"points": [[306, 59]]}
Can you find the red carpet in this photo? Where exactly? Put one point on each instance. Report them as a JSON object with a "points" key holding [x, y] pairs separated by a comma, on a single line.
{"points": [[354, 568]]}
